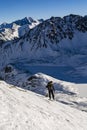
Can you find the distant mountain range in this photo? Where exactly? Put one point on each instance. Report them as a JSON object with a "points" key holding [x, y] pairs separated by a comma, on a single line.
{"points": [[55, 41], [9, 31]]}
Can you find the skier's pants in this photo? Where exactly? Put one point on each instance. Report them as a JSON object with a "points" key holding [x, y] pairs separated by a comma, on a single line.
{"points": [[51, 93]]}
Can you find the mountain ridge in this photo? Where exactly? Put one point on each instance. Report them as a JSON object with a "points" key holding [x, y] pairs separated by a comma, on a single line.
{"points": [[17, 28], [55, 41], [23, 21]]}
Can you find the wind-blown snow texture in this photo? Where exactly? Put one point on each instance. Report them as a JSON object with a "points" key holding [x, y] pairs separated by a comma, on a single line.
{"points": [[20, 109]]}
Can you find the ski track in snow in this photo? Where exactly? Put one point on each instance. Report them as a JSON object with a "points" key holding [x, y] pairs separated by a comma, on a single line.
{"points": [[25, 110]]}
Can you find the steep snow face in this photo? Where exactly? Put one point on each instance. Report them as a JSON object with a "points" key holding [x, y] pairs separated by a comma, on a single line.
{"points": [[22, 109]]}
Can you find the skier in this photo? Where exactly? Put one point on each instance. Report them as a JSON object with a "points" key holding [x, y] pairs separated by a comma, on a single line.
{"points": [[51, 89]]}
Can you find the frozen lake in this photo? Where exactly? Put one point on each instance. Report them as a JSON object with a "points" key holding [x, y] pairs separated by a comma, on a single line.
{"points": [[65, 73]]}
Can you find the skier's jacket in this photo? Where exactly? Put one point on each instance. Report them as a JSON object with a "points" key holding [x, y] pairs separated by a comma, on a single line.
{"points": [[50, 86]]}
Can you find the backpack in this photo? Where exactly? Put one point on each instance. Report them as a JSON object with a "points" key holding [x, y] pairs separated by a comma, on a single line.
{"points": [[49, 86]]}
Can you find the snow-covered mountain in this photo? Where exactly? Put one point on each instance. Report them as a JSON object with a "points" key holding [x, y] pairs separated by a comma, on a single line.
{"points": [[10, 31], [55, 41], [22, 109], [57, 35], [24, 21]]}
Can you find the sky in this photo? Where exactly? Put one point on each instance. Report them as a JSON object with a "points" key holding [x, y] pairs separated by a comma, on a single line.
{"points": [[11, 10]]}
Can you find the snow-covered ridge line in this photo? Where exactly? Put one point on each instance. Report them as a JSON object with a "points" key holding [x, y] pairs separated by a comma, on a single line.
{"points": [[55, 33], [21, 22], [10, 31], [58, 30]]}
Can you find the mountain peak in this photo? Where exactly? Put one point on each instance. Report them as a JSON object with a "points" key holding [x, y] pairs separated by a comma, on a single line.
{"points": [[17, 28]]}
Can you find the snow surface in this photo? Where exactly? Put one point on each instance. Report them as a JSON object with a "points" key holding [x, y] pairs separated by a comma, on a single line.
{"points": [[24, 110]]}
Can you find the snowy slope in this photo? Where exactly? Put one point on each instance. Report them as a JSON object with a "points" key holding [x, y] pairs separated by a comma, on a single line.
{"points": [[20, 109], [65, 92]]}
